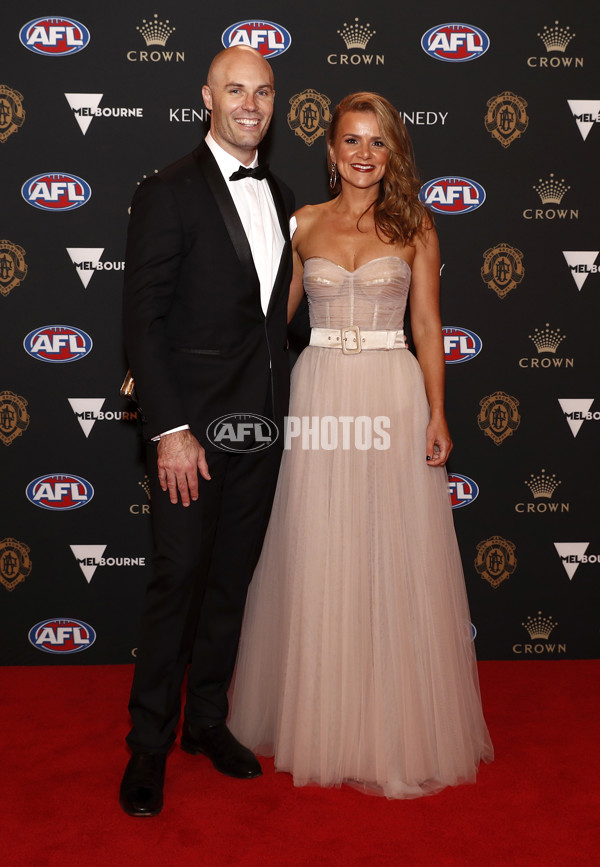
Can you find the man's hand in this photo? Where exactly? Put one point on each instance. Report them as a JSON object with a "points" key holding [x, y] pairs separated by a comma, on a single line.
{"points": [[180, 458]]}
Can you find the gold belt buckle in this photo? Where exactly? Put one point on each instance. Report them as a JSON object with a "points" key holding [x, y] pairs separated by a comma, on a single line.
{"points": [[355, 330]]}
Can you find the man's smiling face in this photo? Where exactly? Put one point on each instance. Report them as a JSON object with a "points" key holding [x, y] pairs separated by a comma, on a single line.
{"points": [[239, 95]]}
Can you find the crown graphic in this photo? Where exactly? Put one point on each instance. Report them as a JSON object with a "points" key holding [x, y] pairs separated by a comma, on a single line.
{"points": [[145, 486], [556, 38], [547, 339], [356, 35], [145, 176], [542, 485], [540, 626], [552, 190], [155, 32]]}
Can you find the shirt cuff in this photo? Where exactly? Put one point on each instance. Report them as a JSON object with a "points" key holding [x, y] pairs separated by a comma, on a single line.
{"points": [[173, 430]]}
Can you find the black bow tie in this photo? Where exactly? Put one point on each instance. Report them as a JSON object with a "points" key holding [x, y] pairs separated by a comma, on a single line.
{"points": [[259, 172]]}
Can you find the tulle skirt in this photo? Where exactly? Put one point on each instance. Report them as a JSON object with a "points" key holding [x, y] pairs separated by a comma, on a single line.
{"points": [[356, 662]]}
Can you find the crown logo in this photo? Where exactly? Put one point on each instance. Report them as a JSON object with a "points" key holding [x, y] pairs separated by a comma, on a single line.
{"points": [[556, 38], [547, 339], [155, 32], [138, 183], [145, 486], [542, 485], [552, 190], [146, 176], [540, 626], [356, 35]]}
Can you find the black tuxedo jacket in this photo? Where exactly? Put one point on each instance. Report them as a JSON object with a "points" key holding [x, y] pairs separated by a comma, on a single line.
{"points": [[198, 343]]}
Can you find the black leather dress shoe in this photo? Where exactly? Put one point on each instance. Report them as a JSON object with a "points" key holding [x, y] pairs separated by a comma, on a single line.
{"points": [[226, 753], [142, 787]]}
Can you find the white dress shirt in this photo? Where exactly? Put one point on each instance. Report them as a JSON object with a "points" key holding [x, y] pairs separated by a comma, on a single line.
{"points": [[256, 209]]}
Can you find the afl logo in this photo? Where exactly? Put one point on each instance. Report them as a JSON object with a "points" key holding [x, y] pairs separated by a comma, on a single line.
{"points": [[460, 344], [62, 636], [268, 38], [59, 492], [463, 490], [56, 192], [54, 37], [455, 43], [58, 343], [452, 195], [242, 432]]}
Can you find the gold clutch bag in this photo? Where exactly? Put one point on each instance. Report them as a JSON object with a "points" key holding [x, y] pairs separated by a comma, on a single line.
{"points": [[127, 390]]}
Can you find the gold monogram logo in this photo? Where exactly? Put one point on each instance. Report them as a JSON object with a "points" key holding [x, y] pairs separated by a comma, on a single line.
{"points": [[14, 418], [309, 115], [506, 118], [495, 560], [12, 113], [15, 564], [498, 416], [13, 269], [502, 268]]}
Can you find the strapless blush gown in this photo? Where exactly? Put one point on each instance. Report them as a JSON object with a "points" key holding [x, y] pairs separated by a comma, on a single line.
{"points": [[356, 663]]}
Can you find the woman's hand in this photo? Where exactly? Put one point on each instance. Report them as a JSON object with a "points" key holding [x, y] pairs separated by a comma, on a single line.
{"points": [[439, 444]]}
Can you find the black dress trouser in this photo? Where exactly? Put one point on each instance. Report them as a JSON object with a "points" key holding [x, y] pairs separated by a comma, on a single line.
{"points": [[204, 557]]}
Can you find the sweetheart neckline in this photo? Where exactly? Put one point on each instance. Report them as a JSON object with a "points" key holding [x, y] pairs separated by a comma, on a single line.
{"points": [[364, 264]]}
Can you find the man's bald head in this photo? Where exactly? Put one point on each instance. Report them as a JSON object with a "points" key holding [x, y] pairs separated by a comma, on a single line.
{"points": [[244, 53], [239, 94]]}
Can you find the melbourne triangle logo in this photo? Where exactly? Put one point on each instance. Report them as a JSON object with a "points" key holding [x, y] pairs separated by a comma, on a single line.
{"points": [[586, 113], [86, 410], [86, 261], [575, 410], [88, 557], [571, 555], [83, 106], [581, 264]]}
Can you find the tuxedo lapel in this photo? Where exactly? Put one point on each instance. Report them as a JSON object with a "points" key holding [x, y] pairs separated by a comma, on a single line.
{"points": [[285, 231], [233, 224]]}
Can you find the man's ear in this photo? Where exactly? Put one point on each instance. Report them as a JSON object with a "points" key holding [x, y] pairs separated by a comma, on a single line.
{"points": [[207, 96]]}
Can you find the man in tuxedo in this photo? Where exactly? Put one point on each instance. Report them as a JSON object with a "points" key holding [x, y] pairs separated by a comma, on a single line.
{"points": [[207, 273]]}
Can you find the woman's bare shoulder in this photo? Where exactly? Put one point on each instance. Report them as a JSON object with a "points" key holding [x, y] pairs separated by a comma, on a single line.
{"points": [[426, 234], [308, 214]]}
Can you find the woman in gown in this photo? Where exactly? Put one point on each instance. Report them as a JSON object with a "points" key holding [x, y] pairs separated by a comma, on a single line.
{"points": [[356, 662]]}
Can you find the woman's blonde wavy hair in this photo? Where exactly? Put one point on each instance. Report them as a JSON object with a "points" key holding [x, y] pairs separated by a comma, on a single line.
{"points": [[399, 213]]}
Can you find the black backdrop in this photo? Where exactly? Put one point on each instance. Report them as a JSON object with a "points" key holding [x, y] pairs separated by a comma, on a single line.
{"points": [[524, 410]]}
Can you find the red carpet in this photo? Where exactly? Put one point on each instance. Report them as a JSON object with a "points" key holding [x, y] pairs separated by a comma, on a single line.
{"points": [[63, 730]]}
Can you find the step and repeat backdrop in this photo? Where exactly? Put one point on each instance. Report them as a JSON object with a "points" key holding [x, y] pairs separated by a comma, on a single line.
{"points": [[503, 106]]}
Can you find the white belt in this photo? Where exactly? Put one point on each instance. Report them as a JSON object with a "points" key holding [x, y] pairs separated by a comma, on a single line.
{"points": [[351, 340]]}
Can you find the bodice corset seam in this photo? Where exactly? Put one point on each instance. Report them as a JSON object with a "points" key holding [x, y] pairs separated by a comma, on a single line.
{"points": [[338, 297]]}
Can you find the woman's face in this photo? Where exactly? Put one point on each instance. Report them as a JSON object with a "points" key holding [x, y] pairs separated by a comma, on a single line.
{"points": [[358, 150]]}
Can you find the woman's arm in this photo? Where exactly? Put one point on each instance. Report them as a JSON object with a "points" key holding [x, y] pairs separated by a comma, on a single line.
{"points": [[426, 329], [296, 286]]}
